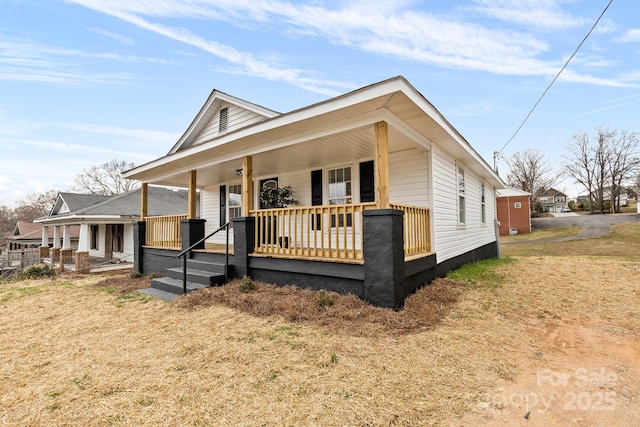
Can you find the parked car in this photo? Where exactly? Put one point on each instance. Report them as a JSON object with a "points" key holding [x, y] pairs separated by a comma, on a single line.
{"points": [[566, 209]]}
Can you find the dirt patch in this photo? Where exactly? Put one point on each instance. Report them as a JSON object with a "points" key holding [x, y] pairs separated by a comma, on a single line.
{"points": [[341, 313], [578, 354], [124, 283]]}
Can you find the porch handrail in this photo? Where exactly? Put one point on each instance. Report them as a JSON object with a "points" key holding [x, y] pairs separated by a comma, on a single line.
{"points": [[417, 231], [164, 230], [326, 231], [188, 251]]}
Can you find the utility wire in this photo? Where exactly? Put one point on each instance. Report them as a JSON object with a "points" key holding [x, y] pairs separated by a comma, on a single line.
{"points": [[497, 153]]}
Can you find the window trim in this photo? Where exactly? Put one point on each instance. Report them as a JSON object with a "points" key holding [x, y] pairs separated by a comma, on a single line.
{"points": [[231, 206], [461, 196], [483, 204]]}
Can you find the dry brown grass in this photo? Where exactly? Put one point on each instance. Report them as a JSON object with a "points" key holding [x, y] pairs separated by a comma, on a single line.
{"points": [[84, 350], [347, 313]]}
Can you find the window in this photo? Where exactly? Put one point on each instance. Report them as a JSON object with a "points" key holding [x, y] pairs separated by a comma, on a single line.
{"points": [[224, 119], [483, 206], [461, 196], [117, 242], [340, 194], [340, 186], [235, 202], [517, 205], [95, 234]]}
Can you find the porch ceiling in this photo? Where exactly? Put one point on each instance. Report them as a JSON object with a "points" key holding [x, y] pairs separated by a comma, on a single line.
{"points": [[336, 149]]}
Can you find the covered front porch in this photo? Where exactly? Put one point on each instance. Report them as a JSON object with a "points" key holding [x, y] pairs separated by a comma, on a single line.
{"points": [[327, 227]]}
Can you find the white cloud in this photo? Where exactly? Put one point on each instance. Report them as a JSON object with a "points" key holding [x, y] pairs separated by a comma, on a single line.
{"points": [[631, 36], [389, 28], [540, 14], [122, 39]]}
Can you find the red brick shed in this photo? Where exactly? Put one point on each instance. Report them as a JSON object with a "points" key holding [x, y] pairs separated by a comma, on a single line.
{"points": [[514, 211]]}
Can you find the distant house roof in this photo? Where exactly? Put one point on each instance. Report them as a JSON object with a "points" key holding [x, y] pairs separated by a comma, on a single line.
{"points": [[161, 201], [71, 202], [29, 231], [551, 192], [511, 192]]}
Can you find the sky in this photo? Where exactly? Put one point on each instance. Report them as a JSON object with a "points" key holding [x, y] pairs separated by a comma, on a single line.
{"points": [[83, 82]]}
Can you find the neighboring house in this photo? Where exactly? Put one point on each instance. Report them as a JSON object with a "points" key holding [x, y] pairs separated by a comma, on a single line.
{"points": [[514, 211], [23, 243], [552, 200], [606, 196], [105, 223], [389, 194]]}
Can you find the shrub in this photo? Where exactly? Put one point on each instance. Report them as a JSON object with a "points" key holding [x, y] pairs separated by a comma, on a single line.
{"points": [[323, 300], [136, 275], [38, 271], [246, 284]]}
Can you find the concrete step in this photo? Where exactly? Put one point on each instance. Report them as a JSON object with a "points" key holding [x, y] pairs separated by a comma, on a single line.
{"points": [[208, 278], [158, 293], [205, 265], [174, 286]]}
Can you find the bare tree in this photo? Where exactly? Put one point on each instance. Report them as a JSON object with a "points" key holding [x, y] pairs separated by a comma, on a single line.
{"points": [[607, 157], [105, 179], [7, 220], [623, 163], [35, 205], [580, 165], [529, 169]]}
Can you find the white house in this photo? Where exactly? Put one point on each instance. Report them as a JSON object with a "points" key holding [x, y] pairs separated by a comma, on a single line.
{"points": [[105, 222], [389, 194]]}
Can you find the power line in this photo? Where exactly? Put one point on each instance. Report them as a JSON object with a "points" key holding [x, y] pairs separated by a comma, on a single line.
{"points": [[497, 153]]}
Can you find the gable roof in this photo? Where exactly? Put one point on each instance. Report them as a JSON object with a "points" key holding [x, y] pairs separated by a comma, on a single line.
{"points": [[161, 201], [70, 202], [342, 123], [213, 104], [29, 231], [552, 192]]}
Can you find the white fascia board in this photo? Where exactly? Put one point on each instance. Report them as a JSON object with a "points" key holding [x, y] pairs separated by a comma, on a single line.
{"points": [[76, 219]]}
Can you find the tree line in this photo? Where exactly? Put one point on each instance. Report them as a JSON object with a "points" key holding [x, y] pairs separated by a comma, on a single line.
{"points": [[105, 179], [605, 163]]}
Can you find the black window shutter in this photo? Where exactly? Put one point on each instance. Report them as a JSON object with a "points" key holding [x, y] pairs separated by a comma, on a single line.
{"points": [[316, 187], [316, 197], [367, 183], [223, 205]]}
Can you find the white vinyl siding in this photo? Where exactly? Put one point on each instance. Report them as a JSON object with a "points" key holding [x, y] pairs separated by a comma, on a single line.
{"points": [[236, 118], [449, 239], [409, 177]]}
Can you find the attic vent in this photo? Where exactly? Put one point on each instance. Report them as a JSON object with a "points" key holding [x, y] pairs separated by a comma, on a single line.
{"points": [[224, 119]]}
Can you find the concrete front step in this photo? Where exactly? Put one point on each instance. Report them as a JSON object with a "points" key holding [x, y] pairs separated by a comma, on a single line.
{"points": [[206, 265], [175, 286], [208, 278], [158, 293]]}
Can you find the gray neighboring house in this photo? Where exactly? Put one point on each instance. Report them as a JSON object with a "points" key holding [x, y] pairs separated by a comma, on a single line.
{"points": [[106, 222], [552, 200]]}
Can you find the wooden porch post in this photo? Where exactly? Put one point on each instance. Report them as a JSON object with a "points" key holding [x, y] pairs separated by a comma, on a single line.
{"points": [[382, 165], [144, 201], [191, 199], [247, 185]]}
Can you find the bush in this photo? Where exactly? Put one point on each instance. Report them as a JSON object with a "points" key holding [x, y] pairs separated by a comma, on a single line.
{"points": [[323, 300], [246, 284], [38, 271]]}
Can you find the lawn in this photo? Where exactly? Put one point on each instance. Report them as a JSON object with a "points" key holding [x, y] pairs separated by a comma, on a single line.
{"points": [[87, 350]]}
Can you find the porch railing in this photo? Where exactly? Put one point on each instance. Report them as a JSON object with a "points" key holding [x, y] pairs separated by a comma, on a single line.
{"points": [[417, 229], [330, 231], [164, 231]]}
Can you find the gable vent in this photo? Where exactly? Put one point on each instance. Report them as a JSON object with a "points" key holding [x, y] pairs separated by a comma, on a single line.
{"points": [[224, 119]]}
